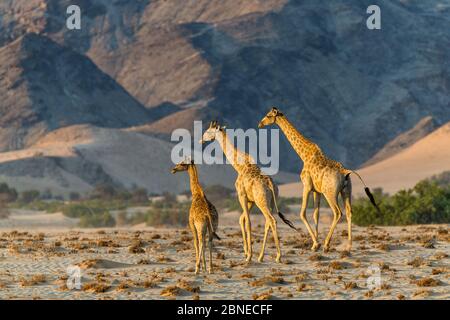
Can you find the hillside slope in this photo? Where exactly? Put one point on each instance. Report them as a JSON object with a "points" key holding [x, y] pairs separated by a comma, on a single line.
{"points": [[44, 86]]}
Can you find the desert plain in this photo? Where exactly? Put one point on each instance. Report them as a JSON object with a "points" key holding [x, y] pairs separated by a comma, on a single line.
{"points": [[139, 262]]}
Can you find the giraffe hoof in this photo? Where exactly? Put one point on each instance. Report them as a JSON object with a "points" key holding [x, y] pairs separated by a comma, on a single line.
{"points": [[326, 249], [278, 260], [260, 259], [315, 247]]}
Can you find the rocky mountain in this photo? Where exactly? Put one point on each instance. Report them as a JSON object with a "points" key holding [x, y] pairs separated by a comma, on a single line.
{"points": [[350, 89], [44, 86]]}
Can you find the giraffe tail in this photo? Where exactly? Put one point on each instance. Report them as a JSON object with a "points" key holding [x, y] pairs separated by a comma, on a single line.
{"points": [[285, 220], [366, 188], [212, 231], [289, 223]]}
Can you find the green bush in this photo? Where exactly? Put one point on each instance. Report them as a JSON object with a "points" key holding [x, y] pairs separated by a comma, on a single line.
{"points": [[99, 220], [4, 211], [29, 196], [48, 206], [426, 203], [173, 216], [78, 210], [7, 194]]}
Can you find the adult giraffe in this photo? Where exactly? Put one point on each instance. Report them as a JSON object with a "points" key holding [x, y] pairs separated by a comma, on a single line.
{"points": [[321, 176], [252, 188]]}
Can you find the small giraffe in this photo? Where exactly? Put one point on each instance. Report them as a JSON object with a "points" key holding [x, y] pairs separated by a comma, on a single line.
{"points": [[252, 187], [321, 176], [203, 217]]}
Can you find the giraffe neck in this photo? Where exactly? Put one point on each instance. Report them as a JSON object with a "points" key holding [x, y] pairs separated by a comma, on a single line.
{"points": [[196, 188], [300, 144], [237, 158]]}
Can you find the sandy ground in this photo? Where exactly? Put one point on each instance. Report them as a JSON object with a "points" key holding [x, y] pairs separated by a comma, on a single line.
{"points": [[146, 263]]}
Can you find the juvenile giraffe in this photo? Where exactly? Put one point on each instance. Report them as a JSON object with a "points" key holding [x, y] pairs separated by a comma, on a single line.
{"points": [[203, 217], [252, 187], [321, 176]]}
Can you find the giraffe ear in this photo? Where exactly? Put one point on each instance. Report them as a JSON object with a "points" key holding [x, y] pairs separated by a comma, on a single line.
{"points": [[277, 112], [223, 127]]}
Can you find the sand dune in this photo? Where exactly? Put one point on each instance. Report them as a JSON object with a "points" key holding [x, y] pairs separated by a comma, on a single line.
{"points": [[76, 158], [427, 157]]}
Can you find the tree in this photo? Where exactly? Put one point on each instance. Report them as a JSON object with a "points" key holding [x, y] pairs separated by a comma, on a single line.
{"points": [[4, 212], [103, 192], [29, 196], [7, 194], [139, 196]]}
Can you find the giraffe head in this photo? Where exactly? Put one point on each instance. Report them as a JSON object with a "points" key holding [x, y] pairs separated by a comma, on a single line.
{"points": [[270, 117], [212, 132], [183, 165]]}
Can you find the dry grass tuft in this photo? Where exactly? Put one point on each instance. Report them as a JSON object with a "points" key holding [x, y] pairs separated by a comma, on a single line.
{"points": [[384, 247], [336, 265], [316, 257], [350, 285], [136, 247], [422, 293], [436, 271], [86, 264], [171, 291], [270, 280], [34, 280], [440, 255], [188, 286], [416, 262], [220, 256], [96, 287], [263, 296], [428, 282]]}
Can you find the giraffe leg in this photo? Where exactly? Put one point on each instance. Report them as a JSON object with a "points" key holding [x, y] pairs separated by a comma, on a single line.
{"points": [[200, 248], [273, 226], [244, 235], [333, 201], [271, 222], [266, 232], [242, 223], [244, 204], [306, 192], [210, 247], [204, 249], [347, 197], [317, 196], [196, 245]]}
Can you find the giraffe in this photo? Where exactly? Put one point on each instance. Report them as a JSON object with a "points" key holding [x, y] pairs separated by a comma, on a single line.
{"points": [[321, 176], [252, 188], [203, 217]]}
